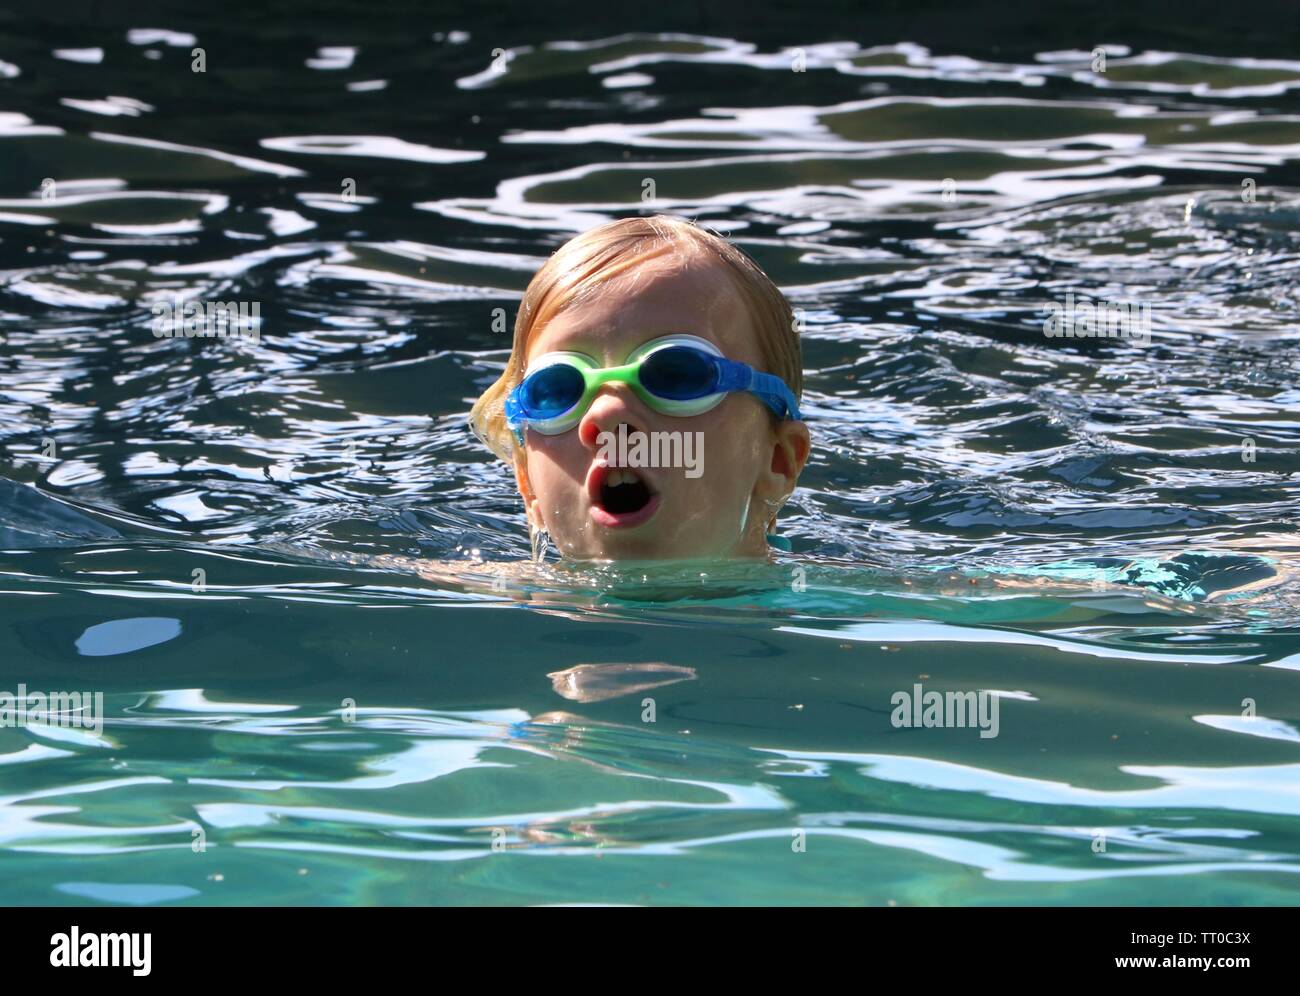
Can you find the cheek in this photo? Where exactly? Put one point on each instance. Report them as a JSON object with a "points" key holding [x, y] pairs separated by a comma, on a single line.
{"points": [[736, 440], [733, 455], [554, 467]]}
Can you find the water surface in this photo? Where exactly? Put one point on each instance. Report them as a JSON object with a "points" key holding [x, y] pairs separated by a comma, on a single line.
{"points": [[334, 723]]}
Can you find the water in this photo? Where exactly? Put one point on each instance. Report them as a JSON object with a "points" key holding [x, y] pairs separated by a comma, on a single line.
{"points": [[335, 718]]}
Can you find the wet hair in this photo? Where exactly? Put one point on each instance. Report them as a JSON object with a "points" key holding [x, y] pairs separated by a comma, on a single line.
{"points": [[578, 269]]}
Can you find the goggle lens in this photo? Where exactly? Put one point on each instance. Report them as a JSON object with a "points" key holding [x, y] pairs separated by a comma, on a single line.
{"points": [[552, 391], [678, 373]]}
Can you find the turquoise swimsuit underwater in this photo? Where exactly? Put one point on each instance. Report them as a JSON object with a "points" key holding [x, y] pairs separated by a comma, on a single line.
{"points": [[1191, 577]]}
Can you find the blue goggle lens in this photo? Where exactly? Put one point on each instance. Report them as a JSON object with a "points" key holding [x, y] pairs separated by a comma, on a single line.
{"points": [[679, 373], [552, 391]]}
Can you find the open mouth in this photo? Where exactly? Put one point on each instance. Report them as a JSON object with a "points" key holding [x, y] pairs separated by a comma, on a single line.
{"points": [[623, 493], [620, 496]]}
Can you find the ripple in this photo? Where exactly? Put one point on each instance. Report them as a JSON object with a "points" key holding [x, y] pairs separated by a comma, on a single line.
{"points": [[373, 146]]}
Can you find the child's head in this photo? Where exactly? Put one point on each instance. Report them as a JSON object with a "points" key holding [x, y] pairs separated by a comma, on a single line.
{"points": [[603, 295]]}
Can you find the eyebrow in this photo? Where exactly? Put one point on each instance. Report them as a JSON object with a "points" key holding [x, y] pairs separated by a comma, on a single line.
{"points": [[592, 334], [585, 341]]}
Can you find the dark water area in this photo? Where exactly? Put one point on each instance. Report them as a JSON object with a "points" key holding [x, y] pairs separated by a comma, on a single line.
{"points": [[234, 540]]}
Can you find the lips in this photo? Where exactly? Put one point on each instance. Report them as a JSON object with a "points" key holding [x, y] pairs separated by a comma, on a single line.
{"points": [[620, 496]]}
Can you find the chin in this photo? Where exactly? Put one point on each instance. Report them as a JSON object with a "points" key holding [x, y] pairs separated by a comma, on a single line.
{"points": [[663, 548], [644, 549]]}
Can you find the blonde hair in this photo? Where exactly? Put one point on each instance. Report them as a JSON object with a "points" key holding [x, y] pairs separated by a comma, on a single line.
{"points": [[578, 269]]}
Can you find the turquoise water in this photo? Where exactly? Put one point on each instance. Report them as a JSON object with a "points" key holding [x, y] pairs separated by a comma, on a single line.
{"points": [[330, 673]]}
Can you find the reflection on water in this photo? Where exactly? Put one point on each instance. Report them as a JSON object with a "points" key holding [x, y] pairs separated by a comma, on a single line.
{"points": [[227, 538]]}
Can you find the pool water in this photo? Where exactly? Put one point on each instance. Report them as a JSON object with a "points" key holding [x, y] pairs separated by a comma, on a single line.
{"points": [[331, 673]]}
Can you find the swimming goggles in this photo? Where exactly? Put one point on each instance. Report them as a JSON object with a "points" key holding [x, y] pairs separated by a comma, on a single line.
{"points": [[680, 375]]}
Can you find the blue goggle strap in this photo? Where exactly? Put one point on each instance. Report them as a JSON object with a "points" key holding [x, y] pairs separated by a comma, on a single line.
{"points": [[769, 389], [514, 415]]}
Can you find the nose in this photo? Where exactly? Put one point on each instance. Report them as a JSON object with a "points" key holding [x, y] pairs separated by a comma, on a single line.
{"points": [[615, 405]]}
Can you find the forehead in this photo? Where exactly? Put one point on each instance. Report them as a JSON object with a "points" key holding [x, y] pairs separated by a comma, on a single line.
{"points": [[655, 297]]}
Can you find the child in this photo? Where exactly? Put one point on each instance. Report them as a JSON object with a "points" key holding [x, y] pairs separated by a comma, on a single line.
{"points": [[640, 343]]}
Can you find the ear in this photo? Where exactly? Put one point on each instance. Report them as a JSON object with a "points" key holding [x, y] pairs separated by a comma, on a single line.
{"points": [[791, 445], [532, 507]]}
